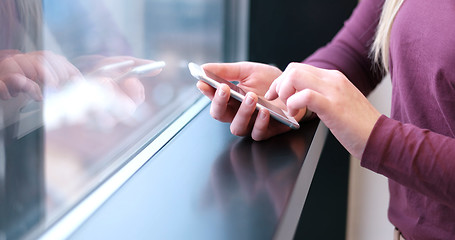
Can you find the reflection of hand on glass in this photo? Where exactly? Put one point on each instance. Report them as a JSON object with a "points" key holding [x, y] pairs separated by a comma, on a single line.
{"points": [[121, 72], [262, 171], [110, 92], [26, 72]]}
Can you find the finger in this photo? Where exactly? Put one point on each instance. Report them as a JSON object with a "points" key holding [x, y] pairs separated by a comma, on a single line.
{"points": [[23, 64], [219, 106], [206, 89], [17, 83], [260, 159], [240, 125], [34, 91], [242, 167], [228, 71], [71, 71], [238, 71], [57, 64], [288, 82], [314, 101], [298, 76], [46, 74], [279, 88], [272, 94], [4, 93], [63, 68], [134, 89], [261, 125], [285, 76]]}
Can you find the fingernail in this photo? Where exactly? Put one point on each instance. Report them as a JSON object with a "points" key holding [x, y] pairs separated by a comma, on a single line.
{"points": [[267, 95], [249, 99], [262, 114], [221, 92]]}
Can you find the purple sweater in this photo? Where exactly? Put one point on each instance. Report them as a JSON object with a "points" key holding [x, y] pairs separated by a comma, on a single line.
{"points": [[415, 148]]}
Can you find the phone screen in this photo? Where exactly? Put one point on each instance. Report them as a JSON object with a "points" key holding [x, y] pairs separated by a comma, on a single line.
{"points": [[239, 94]]}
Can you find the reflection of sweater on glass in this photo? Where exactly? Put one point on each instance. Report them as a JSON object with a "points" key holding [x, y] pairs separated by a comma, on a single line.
{"points": [[415, 148]]}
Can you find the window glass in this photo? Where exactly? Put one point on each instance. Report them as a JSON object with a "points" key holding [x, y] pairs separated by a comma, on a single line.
{"points": [[83, 86]]}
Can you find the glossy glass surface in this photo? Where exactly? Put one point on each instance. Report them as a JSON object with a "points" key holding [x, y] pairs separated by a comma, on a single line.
{"points": [[83, 86]]}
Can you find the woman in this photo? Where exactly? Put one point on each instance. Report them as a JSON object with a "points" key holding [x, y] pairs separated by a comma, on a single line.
{"points": [[414, 41]]}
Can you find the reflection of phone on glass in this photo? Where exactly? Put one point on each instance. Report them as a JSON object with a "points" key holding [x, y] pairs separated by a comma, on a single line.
{"points": [[142, 69], [133, 72], [239, 94]]}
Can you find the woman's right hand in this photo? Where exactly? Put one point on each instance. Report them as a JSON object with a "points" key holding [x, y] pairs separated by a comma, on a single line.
{"points": [[255, 78]]}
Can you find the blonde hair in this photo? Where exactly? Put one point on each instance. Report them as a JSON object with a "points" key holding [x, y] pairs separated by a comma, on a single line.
{"points": [[380, 46]]}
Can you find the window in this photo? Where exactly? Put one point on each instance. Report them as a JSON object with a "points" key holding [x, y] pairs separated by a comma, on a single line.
{"points": [[85, 85]]}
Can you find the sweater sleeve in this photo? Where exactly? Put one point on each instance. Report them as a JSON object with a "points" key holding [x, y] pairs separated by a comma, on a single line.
{"points": [[416, 158], [348, 52]]}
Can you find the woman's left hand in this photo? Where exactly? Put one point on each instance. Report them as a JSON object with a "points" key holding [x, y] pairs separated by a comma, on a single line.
{"points": [[336, 101]]}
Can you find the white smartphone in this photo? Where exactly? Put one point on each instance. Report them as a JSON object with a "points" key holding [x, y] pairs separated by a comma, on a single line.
{"points": [[239, 94]]}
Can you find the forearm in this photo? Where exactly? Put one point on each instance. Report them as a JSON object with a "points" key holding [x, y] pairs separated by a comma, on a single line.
{"points": [[416, 158]]}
